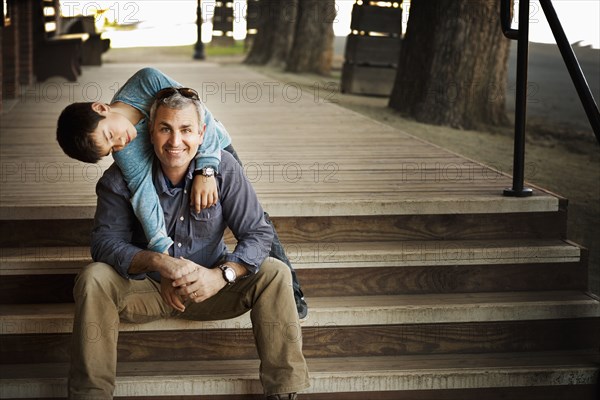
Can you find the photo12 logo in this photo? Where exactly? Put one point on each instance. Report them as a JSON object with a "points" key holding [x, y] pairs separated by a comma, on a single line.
{"points": [[50, 172], [54, 92], [122, 12], [269, 91]]}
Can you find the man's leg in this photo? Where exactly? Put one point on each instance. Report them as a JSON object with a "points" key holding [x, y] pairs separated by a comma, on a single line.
{"points": [[101, 296], [275, 323]]}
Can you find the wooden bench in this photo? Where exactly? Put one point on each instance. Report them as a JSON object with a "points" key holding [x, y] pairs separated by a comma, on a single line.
{"points": [[372, 49], [95, 46], [55, 54], [62, 44]]}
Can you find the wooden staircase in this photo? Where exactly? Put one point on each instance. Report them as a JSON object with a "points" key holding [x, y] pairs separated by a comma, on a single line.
{"points": [[427, 306], [423, 281]]}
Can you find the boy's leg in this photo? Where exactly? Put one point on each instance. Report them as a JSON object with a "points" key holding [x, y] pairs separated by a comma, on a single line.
{"points": [[278, 252], [101, 297], [275, 324]]}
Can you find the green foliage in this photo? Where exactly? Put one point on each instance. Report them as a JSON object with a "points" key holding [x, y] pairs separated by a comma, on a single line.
{"points": [[236, 49]]}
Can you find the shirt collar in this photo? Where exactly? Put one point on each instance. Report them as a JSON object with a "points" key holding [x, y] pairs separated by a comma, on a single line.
{"points": [[160, 180]]}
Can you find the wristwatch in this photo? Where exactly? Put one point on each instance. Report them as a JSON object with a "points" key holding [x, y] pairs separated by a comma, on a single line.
{"points": [[228, 273], [206, 171]]}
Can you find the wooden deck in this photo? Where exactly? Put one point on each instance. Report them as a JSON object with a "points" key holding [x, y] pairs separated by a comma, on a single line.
{"points": [[442, 284], [305, 157]]}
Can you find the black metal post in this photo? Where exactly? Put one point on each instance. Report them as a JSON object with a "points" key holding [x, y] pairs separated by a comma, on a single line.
{"points": [[199, 47], [517, 189], [583, 89]]}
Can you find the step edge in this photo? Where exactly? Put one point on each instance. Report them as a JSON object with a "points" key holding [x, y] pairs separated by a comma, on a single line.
{"points": [[442, 254], [32, 269], [321, 382], [332, 317], [317, 208]]}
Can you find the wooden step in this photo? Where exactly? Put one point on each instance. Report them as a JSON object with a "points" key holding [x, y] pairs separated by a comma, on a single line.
{"points": [[68, 260], [304, 204], [325, 341], [346, 311], [46, 274], [330, 375], [288, 198], [62, 231]]}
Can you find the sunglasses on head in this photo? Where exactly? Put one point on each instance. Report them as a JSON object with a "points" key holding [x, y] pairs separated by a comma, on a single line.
{"points": [[185, 92]]}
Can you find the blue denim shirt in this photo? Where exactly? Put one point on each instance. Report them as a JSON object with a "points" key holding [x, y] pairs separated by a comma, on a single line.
{"points": [[117, 235]]}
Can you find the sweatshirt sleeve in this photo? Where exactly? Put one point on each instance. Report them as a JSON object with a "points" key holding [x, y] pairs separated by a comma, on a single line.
{"points": [[114, 222], [209, 152]]}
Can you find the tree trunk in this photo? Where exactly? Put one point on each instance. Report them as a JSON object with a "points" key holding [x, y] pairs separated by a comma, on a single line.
{"points": [[313, 42], [294, 34], [285, 27], [275, 33], [453, 64], [262, 47]]}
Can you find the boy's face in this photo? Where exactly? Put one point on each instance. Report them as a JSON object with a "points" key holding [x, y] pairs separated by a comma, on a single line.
{"points": [[114, 132]]}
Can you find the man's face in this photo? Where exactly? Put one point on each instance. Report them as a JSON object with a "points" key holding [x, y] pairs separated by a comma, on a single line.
{"points": [[114, 132], [176, 136]]}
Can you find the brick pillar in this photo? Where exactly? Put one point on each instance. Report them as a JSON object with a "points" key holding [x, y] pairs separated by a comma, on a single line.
{"points": [[10, 55], [25, 41]]}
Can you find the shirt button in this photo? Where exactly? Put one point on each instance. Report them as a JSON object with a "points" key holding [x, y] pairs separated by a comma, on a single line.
{"points": [[181, 218], [178, 244], [185, 191]]}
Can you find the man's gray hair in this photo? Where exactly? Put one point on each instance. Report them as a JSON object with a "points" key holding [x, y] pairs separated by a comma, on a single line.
{"points": [[177, 102]]}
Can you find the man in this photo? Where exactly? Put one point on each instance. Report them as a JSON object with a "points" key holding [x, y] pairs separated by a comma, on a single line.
{"points": [[132, 284], [88, 131]]}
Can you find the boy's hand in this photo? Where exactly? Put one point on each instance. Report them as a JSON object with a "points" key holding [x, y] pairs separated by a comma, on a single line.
{"points": [[204, 192]]}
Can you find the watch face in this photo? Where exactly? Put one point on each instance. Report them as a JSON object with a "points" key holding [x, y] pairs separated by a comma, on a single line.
{"points": [[208, 171], [229, 275]]}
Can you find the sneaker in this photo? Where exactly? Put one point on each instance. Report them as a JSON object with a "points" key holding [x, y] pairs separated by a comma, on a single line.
{"points": [[301, 305], [286, 396]]}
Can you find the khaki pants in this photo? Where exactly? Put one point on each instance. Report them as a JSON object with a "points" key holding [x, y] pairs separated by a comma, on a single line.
{"points": [[103, 298]]}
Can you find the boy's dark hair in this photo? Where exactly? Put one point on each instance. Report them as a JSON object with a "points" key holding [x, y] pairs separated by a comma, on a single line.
{"points": [[73, 132]]}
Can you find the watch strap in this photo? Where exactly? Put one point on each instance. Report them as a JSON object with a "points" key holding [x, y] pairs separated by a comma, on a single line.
{"points": [[202, 171]]}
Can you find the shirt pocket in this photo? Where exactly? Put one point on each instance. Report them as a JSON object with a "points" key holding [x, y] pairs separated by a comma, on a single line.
{"points": [[207, 223]]}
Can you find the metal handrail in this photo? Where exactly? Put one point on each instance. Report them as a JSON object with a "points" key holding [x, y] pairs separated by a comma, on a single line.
{"points": [[581, 85], [522, 37]]}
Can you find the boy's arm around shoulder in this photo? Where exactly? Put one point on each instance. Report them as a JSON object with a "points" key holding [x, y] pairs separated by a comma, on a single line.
{"points": [[209, 152], [114, 224]]}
